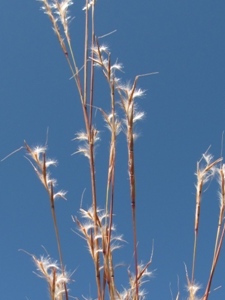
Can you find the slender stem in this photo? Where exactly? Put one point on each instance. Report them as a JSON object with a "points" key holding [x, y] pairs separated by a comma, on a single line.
{"points": [[219, 236], [133, 200], [57, 236], [94, 205], [86, 55], [222, 209], [90, 133], [214, 264], [92, 62], [196, 226], [75, 72]]}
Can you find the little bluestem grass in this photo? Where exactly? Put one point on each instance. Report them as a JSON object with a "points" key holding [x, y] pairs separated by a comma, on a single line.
{"points": [[96, 225]]}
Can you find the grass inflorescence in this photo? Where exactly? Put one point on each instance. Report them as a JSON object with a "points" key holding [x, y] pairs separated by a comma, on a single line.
{"points": [[96, 224]]}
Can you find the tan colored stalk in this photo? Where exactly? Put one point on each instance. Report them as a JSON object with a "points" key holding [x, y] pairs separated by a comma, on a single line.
{"points": [[222, 208], [114, 127], [131, 170], [214, 264], [86, 40], [219, 235], [128, 107], [203, 176], [91, 137], [129, 112], [110, 195], [108, 269], [92, 63], [197, 216], [41, 171], [94, 204], [89, 129]]}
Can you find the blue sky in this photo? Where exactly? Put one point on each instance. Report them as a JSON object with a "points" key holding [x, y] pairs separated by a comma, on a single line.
{"points": [[185, 113]]}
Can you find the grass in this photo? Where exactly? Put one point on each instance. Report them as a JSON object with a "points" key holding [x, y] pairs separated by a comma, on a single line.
{"points": [[96, 225]]}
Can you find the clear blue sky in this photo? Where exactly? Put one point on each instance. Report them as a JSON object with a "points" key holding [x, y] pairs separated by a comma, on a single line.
{"points": [[185, 113]]}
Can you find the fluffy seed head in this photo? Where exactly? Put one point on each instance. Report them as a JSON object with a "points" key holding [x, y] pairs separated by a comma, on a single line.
{"points": [[55, 277]]}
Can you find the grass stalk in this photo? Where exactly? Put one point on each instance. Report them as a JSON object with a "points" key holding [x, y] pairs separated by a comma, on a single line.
{"points": [[99, 232], [220, 233], [98, 228], [41, 171]]}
